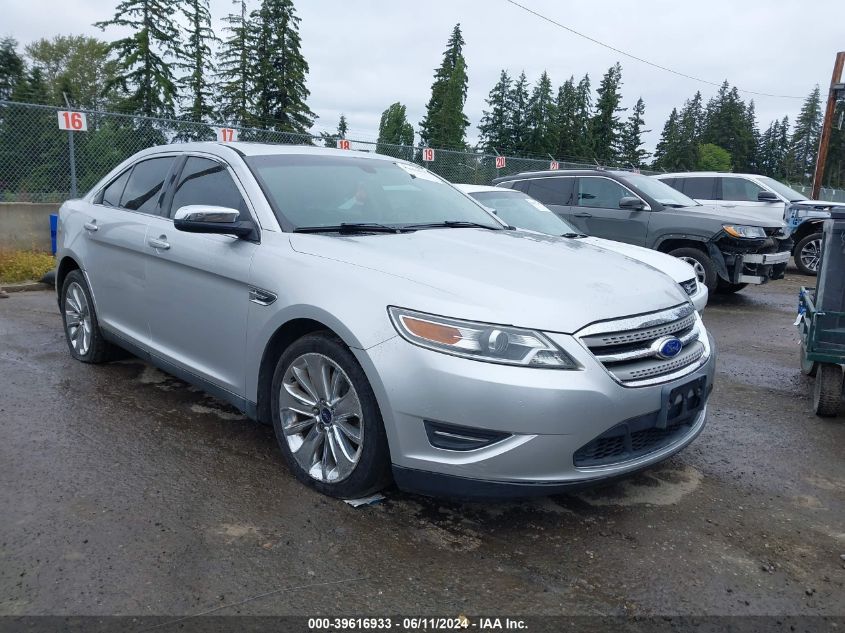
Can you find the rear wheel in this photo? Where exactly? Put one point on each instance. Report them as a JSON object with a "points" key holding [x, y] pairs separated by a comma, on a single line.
{"points": [[705, 270], [808, 253], [827, 395], [327, 420]]}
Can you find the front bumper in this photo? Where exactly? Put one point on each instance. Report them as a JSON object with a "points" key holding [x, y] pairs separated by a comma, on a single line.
{"points": [[546, 415]]}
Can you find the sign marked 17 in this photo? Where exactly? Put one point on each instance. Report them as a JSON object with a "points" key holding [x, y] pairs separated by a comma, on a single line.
{"points": [[428, 154], [227, 134], [73, 121], [500, 162]]}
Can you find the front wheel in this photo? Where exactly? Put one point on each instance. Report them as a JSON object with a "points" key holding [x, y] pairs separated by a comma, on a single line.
{"points": [[705, 270], [808, 253], [327, 420], [82, 329]]}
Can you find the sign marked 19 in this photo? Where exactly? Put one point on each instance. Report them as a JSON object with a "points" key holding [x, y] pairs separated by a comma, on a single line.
{"points": [[227, 134], [342, 143], [73, 121], [428, 154], [500, 162]]}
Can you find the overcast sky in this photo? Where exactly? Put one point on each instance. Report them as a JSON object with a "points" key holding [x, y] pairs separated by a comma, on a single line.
{"points": [[366, 54]]}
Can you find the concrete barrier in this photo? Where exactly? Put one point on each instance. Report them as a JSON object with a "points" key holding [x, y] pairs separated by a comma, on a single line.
{"points": [[26, 225]]}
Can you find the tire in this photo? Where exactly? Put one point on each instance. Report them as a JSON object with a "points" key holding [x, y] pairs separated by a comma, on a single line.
{"points": [[807, 253], [729, 288], [827, 395], [84, 339], [808, 367], [705, 270], [317, 420]]}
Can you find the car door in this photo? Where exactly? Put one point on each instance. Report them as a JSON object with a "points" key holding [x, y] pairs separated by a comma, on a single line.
{"points": [[115, 258], [597, 211], [741, 193], [555, 192], [198, 284]]}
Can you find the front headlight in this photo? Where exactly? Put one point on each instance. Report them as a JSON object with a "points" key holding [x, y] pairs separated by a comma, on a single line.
{"points": [[742, 230], [480, 341]]}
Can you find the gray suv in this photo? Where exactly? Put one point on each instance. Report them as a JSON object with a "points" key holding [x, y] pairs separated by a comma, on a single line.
{"points": [[382, 321], [727, 250]]}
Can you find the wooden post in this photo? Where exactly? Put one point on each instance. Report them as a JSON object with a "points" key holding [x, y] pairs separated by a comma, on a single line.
{"points": [[824, 141]]}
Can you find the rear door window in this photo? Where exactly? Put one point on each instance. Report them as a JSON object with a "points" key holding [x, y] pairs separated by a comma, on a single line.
{"points": [[550, 190], [145, 187], [739, 190], [699, 188], [206, 182]]}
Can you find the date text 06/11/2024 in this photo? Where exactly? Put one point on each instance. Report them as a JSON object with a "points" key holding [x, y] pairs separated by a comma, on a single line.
{"points": [[422, 623]]}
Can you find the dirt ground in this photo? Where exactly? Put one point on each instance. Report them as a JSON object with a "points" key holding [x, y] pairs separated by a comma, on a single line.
{"points": [[124, 491]]}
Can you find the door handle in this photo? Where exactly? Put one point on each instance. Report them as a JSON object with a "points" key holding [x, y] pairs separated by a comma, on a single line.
{"points": [[160, 244], [582, 214], [91, 226]]}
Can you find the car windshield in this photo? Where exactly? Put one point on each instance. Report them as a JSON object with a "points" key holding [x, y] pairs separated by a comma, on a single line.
{"points": [[312, 191], [660, 191], [524, 212], [782, 190]]}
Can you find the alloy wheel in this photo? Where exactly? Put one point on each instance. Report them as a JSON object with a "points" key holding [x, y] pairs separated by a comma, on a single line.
{"points": [[321, 417], [700, 273], [78, 319], [811, 254]]}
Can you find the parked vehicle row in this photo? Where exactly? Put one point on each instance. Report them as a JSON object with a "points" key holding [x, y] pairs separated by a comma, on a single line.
{"points": [[728, 250], [387, 324], [765, 198]]}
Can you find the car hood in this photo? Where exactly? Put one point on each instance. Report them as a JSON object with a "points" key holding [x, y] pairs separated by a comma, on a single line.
{"points": [[677, 269], [731, 214], [505, 277]]}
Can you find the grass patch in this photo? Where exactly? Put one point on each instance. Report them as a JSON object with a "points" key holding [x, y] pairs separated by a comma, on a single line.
{"points": [[17, 266]]}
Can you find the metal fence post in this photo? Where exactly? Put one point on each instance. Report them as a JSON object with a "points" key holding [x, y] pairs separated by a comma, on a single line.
{"points": [[73, 191]]}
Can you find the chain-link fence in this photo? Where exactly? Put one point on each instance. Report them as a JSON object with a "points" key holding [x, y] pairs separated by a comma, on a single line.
{"points": [[825, 193], [36, 164]]}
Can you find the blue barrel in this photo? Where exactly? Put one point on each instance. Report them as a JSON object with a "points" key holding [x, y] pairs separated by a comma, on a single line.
{"points": [[54, 226]]}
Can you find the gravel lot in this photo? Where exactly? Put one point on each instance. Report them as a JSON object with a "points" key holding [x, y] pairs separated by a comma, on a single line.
{"points": [[124, 491]]}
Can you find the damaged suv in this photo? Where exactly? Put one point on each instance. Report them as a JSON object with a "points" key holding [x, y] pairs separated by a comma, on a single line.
{"points": [[727, 250]]}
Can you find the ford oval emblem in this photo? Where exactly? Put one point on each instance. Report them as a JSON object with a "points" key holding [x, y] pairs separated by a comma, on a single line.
{"points": [[667, 347]]}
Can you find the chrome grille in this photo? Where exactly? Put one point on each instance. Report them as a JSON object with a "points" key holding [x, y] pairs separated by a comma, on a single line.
{"points": [[690, 286], [629, 348]]}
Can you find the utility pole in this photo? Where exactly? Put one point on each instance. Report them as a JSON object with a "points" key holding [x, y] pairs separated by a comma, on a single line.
{"points": [[837, 90]]}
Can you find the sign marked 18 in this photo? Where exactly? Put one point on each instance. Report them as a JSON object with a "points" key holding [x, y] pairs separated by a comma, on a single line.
{"points": [[500, 162], [73, 121], [227, 134], [428, 154], [342, 143], [554, 165]]}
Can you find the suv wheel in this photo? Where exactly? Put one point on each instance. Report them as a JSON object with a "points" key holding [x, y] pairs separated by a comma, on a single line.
{"points": [[82, 329], [705, 271], [327, 420], [807, 253]]}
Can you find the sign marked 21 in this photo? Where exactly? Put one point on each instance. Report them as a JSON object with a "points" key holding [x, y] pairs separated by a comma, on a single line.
{"points": [[73, 121]]}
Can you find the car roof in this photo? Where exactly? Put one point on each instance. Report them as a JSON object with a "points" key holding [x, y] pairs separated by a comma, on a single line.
{"points": [[245, 148], [477, 188], [709, 174]]}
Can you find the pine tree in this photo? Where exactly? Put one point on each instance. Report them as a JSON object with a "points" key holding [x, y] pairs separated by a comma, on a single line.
{"points": [[493, 129], [394, 129], [11, 67], [198, 61], [518, 106], [143, 71], [666, 153], [631, 151], [280, 68], [806, 135], [583, 108], [751, 133], [566, 115], [540, 119], [690, 124], [235, 68], [330, 140], [727, 125], [445, 123], [605, 126]]}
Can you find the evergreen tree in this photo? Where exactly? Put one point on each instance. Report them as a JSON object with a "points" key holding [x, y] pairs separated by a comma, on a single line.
{"points": [[727, 125], [494, 126], [690, 125], [565, 108], [631, 151], [713, 158], [235, 68], [11, 67], [280, 68], [540, 119], [445, 123], [198, 62], [518, 107], [583, 107], [667, 153], [393, 130], [806, 135], [752, 133], [330, 140], [142, 67], [605, 126]]}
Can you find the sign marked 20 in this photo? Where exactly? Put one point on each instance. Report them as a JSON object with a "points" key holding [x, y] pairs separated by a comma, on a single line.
{"points": [[500, 162], [73, 121]]}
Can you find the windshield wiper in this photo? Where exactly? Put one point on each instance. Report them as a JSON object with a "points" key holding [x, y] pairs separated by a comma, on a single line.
{"points": [[351, 227], [454, 224], [574, 235]]}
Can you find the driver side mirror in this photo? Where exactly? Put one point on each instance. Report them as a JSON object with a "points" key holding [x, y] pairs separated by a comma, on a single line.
{"points": [[631, 202], [201, 218], [767, 196]]}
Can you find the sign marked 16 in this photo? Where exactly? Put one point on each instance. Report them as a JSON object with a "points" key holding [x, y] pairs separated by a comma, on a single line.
{"points": [[227, 134], [500, 162], [428, 154], [73, 121]]}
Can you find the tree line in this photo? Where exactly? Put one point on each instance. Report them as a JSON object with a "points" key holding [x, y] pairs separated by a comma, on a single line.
{"points": [[173, 65]]}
